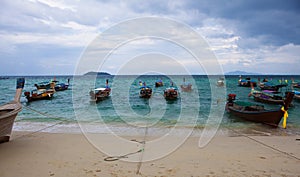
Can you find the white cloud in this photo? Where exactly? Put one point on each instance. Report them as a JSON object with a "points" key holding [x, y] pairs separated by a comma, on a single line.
{"points": [[72, 24], [63, 40], [56, 4], [286, 54]]}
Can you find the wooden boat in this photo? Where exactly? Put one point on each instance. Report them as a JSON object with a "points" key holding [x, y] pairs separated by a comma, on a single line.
{"points": [[246, 82], [266, 85], [43, 85], [257, 113], [100, 94], [39, 94], [271, 87], [295, 84], [296, 90], [58, 86], [61, 86], [267, 97], [270, 99], [159, 83], [297, 95], [171, 93], [145, 91], [220, 82], [4, 78], [9, 111], [186, 87]]}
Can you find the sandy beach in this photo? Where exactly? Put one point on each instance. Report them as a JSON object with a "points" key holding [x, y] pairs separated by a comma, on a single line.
{"points": [[61, 154]]}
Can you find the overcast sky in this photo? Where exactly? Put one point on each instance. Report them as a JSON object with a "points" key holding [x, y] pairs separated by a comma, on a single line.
{"points": [[44, 37]]}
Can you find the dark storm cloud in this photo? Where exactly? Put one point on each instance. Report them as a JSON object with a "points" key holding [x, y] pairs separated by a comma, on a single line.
{"points": [[277, 22]]}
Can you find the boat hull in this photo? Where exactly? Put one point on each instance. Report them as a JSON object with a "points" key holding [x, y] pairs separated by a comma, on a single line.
{"points": [[171, 94], [61, 87], [8, 113], [296, 85], [99, 95], [269, 100], [271, 88], [220, 83], [145, 93], [101, 98], [186, 88], [247, 84], [159, 84], [297, 97], [272, 118], [45, 96]]}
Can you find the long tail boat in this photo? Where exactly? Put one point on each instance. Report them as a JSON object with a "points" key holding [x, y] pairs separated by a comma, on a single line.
{"points": [[145, 91], [40, 94], [171, 93], [297, 95], [186, 87], [246, 82], [61, 86], [296, 90], [257, 113], [266, 85], [220, 82], [295, 84], [101, 93], [266, 96], [159, 83], [9, 111]]}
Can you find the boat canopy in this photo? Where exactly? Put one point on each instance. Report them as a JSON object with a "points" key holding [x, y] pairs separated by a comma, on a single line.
{"points": [[100, 89], [170, 88], [297, 92]]}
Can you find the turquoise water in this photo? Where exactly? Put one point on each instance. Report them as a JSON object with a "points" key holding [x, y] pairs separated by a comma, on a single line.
{"points": [[125, 108]]}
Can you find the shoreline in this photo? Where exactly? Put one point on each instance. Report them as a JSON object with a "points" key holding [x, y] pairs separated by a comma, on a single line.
{"points": [[251, 129], [65, 154]]}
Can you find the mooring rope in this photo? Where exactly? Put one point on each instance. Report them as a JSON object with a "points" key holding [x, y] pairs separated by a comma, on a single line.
{"points": [[264, 144], [142, 150], [139, 165], [114, 158], [110, 158], [47, 127]]}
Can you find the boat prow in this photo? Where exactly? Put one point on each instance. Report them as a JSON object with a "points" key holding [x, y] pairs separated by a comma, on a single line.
{"points": [[9, 111]]}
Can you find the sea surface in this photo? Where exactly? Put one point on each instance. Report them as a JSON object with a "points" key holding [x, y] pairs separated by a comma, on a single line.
{"points": [[125, 110]]}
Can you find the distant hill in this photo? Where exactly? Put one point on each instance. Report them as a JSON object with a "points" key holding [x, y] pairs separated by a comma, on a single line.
{"points": [[97, 73], [241, 73]]}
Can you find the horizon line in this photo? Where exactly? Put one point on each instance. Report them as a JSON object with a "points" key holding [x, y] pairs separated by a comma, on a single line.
{"points": [[273, 74]]}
